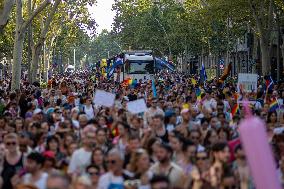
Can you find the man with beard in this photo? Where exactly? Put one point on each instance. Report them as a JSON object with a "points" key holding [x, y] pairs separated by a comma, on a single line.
{"points": [[152, 111], [81, 158], [166, 167]]}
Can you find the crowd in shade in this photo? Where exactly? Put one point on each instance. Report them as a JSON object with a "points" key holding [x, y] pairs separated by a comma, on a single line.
{"points": [[57, 137]]}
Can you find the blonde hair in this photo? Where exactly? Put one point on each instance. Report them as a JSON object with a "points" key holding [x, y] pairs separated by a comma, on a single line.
{"points": [[11, 136], [85, 180], [133, 164]]}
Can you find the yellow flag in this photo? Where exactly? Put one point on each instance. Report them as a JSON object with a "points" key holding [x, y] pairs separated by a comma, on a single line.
{"points": [[193, 81]]}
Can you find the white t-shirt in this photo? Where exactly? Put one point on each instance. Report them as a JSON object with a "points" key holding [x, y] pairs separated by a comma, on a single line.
{"points": [[90, 112], [40, 184], [80, 159], [107, 179], [75, 124], [210, 104]]}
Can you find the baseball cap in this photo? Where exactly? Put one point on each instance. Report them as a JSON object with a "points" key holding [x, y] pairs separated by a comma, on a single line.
{"points": [[48, 154], [37, 111]]}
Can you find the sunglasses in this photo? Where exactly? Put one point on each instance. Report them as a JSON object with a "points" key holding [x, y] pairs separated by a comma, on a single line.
{"points": [[58, 112], [111, 162], [10, 143], [94, 173]]}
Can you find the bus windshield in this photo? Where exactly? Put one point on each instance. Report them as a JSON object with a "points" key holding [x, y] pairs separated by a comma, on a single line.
{"points": [[141, 67]]}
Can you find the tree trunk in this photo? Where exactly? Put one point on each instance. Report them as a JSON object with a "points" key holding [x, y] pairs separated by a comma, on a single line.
{"points": [[36, 50], [5, 13], [18, 48], [17, 60], [35, 62], [265, 56], [20, 30]]}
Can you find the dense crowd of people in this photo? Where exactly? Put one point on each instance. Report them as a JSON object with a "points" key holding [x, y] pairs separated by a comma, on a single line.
{"points": [[56, 137]]}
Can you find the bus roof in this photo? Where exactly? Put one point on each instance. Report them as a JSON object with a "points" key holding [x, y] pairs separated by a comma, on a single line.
{"points": [[142, 57], [138, 51]]}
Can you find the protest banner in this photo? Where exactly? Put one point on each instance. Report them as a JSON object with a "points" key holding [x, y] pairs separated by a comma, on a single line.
{"points": [[103, 98], [247, 87], [247, 82], [137, 106]]}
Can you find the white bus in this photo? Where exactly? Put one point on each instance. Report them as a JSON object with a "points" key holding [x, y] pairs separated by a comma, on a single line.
{"points": [[138, 65]]}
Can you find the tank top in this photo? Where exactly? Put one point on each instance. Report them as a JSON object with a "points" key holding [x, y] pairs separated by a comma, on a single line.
{"points": [[9, 171]]}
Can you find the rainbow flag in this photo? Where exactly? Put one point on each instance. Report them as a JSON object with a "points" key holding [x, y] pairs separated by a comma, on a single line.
{"points": [[273, 106], [235, 110], [236, 96], [129, 83]]}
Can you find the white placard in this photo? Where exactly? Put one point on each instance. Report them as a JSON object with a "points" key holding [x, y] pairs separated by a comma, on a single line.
{"points": [[137, 106], [248, 82], [103, 98]]}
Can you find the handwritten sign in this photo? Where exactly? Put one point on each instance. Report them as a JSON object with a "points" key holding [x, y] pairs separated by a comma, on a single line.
{"points": [[103, 98], [247, 83], [137, 106]]}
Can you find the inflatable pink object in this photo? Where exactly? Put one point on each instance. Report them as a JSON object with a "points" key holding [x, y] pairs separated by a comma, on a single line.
{"points": [[259, 154]]}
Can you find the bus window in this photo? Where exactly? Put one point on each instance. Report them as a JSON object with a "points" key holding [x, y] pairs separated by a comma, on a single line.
{"points": [[141, 68]]}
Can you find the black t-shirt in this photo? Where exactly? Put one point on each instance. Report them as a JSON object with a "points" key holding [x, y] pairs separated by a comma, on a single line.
{"points": [[9, 171], [165, 137], [132, 97]]}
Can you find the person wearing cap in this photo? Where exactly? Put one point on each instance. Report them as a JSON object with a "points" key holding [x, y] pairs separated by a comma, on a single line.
{"points": [[49, 162], [184, 126], [166, 167], [38, 115]]}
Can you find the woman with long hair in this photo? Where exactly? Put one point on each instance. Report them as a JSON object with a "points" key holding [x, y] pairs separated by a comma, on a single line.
{"points": [[97, 159], [123, 135], [177, 142], [139, 166], [53, 144], [272, 121], [211, 138]]}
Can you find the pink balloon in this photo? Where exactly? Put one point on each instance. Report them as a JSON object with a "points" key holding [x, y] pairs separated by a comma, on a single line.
{"points": [[259, 154]]}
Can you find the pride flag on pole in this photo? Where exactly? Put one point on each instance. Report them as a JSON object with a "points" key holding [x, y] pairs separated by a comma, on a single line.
{"points": [[235, 109], [273, 106]]}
